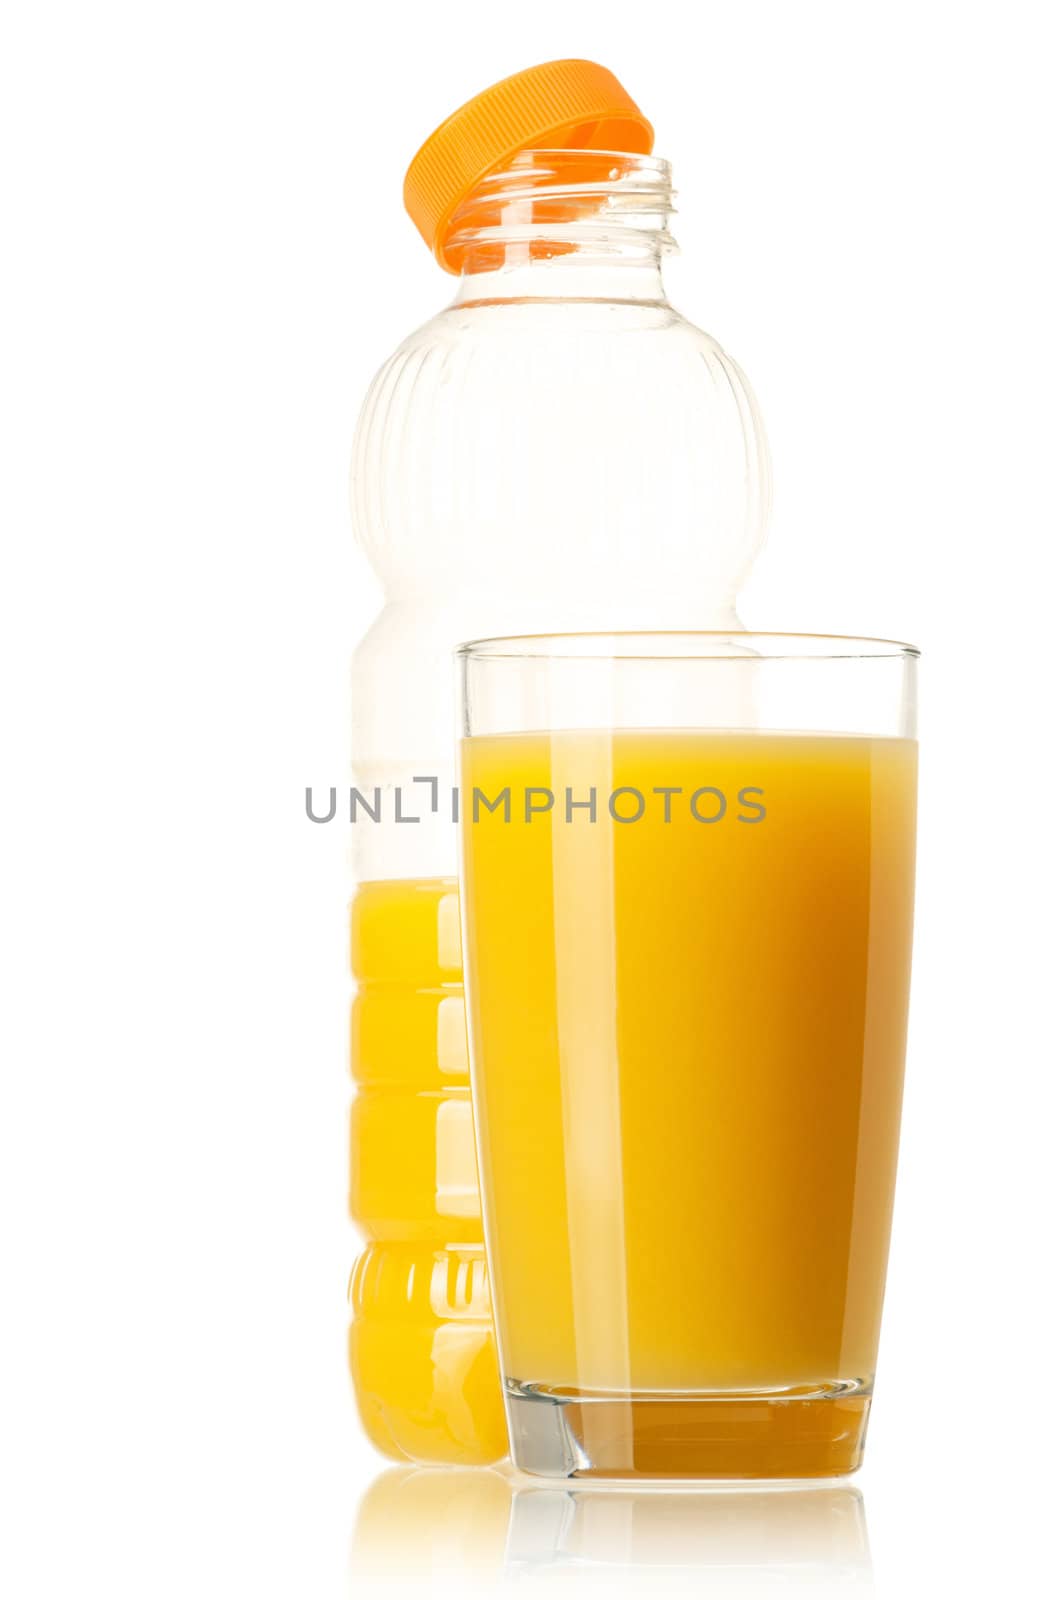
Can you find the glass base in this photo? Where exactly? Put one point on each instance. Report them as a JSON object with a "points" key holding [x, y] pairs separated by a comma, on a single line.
{"points": [[815, 1431]]}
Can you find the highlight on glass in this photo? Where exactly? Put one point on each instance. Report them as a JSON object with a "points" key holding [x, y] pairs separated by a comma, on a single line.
{"points": [[687, 961]]}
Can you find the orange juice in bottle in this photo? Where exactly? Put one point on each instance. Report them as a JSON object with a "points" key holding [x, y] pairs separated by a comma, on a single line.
{"points": [[422, 1346]]}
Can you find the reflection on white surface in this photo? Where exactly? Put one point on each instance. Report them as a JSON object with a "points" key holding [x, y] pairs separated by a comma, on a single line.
{"points": [[485, 1524]]}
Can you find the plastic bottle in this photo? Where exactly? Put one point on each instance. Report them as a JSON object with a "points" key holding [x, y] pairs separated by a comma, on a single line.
{"points": [[557, 449]]}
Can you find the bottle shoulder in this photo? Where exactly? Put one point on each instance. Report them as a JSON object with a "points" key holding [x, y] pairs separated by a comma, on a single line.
{"points": [[470, 323], [506, 357], [554, 442]]}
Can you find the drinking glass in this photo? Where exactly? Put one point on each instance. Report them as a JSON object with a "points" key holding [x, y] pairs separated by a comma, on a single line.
{"points": [[687, 876]]}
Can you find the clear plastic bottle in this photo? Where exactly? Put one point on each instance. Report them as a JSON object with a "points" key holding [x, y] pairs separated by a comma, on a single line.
{"points": [[558, 449]]}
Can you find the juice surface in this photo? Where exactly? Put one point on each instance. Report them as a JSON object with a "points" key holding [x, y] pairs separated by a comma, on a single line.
{"points": [[689, 1041]]}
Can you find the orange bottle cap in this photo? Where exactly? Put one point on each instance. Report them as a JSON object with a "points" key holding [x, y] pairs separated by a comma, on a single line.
{"points": [[561, 105]]}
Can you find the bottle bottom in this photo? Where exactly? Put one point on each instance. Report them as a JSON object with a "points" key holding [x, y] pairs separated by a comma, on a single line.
{"points": [[806, 1432], [422, 1354]]}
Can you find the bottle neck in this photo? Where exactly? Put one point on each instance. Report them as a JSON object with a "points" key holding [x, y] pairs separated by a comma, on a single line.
{"points": [[565, 224]]}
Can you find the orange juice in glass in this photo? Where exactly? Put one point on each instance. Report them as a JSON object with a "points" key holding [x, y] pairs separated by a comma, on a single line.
{"points": [[687, 891]]}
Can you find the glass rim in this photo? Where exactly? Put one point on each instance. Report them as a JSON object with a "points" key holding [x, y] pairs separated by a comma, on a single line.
{"points": [[685, 645]]}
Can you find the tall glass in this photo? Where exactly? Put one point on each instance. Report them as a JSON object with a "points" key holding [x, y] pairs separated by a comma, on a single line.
{"points": [[687, 873]]}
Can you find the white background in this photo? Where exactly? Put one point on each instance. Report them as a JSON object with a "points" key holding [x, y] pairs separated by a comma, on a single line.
{"points": [[205, 257]]}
